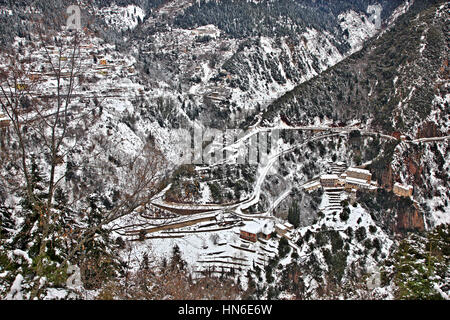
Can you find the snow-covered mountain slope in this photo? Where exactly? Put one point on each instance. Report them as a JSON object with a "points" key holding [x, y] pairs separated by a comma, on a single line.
{"points": [[121, 18], [395, 89], [231, 76], [160, 66]]}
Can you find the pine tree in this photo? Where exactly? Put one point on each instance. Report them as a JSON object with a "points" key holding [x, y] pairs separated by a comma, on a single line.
{"points": [[294, 214]]}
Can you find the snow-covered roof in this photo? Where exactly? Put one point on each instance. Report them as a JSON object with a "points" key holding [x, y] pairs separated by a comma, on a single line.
{"points": [[312, 184], [252, 227], [281, 226], [357, 181], [201, 168], [358, 170], [256, 227], [329, 177], [405, 187]]}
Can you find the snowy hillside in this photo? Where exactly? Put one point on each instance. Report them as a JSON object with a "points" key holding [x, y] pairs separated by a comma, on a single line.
{"points": [[121, 18], [272, 149]]}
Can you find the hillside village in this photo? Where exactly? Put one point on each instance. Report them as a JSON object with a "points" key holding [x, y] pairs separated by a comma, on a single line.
{"points": [[94, 61]]}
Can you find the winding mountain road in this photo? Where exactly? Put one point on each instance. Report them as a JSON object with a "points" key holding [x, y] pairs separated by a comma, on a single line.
{"points": [[271, 161]]}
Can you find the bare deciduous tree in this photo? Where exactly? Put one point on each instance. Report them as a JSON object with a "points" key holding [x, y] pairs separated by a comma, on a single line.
{"points": [[41, 126]]}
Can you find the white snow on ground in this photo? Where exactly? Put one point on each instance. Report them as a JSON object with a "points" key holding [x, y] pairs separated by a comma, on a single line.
{"points": [[316, 46], [206, 249], [23, 254], [358, 218], [122, 18], [56, 294], [15, 293], [205, 192], [402, 9], [359, 27]]}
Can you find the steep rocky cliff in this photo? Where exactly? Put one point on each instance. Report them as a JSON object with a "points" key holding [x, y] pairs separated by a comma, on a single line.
{"points": [[397, 82]]}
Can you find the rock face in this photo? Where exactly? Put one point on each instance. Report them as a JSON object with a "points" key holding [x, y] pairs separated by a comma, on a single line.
{"points": [[414, 168], [387, 179], [380, 82], [409, 220]]}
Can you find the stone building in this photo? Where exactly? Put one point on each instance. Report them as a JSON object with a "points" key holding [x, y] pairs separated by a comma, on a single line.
{"points": [[403, 190], [357, 173], [329, 180]]}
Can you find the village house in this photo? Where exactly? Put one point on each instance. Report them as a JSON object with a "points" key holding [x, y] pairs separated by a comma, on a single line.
{"points": [[284, 230], [341, 181], [252, 231], [403, 190], [267, 230], [281, 229], [34, 77], [338, 167]]}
